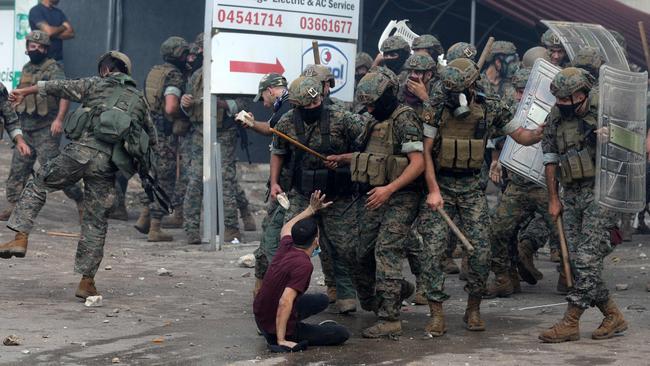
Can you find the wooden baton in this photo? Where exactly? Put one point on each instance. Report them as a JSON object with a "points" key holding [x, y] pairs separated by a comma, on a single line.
{"points": [[486, 51], [456, 230], [644, 43], [314, 47], [565, 252], [298, 144]]}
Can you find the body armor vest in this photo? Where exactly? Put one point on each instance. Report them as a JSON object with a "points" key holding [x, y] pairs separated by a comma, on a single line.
{"points": [[577, 155], [36, 104], [462, 141], [196, 114], [154, 94]]}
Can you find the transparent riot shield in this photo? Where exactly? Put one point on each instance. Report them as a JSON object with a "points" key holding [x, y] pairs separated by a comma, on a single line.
{"points": [[535, 104], [577, 35], [620, 155]]}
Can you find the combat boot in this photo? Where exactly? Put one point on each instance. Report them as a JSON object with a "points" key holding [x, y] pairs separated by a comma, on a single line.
{"points": [[383, 328], [331, 294], [555, 255], [464, 268], [156, 234], [248, 219], [514, 279], [562, 287], [346, 306], [86, 288], [613, 323], [144, 221], [472, 317], [15, 248], [6, 213], [626, 229], [420, 298], [449, 266], [173, 221], [258, 286], [436, 326], [526, 265], [501, 286], [567, 329], [119, 212], [230, 234], [641, 229]]}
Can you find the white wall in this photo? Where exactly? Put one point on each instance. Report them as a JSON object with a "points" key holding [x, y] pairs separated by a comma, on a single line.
{"points": [[6, 47]]}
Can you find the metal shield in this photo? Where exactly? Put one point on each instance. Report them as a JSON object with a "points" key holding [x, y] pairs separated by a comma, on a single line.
{"points": [[577, 35], [621, 151], [533, 108]]}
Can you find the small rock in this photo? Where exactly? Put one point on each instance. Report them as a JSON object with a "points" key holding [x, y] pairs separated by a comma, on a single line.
{"points": [[115, 360], [108, 268], [141, 278], [25, 352], [638, 308], [94, 301], [622, 286], [246, 275], [105, 321], [130, 294], [12, 340], [179, 285], [115, 311], [235, 241], [164, 272], [616, 259], [158, 340], [246, 261], [642, 255]]}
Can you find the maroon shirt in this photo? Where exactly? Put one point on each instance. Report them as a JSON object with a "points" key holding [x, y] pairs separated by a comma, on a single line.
{"points": [[291, 267]]}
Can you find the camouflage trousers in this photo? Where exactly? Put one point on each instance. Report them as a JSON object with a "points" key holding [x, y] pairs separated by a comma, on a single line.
{"points": [[44, 147], [338, 240], [165, 151], [587, 227], [271, 227], [465, 201], [537, 232], [518, 205], [383, 233], [193, 200], [75, 162], [234, 196]]}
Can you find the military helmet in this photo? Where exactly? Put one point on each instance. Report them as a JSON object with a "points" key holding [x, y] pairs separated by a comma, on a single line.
{"points": [[363, 60], [39, 37], [461, 49], [588, 58], [533, 54], [459, 74], [174, 47], [520, 78], [118, 56], [570, 80], [551, 40], [394, 44], [304, 90], [320, 72], [427, 41], [195, 48], [373, 85], [419, 63], [501, 48]]}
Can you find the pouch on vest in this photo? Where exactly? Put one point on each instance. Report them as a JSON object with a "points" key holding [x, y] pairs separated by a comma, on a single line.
{"points": [[377, 170], [180, 127], [588, 169], [112, 126], [122, 160], [395, 166], [447, 153], [359, 167], [565, 170], [76, 122], [574, 164], [462, 154]]}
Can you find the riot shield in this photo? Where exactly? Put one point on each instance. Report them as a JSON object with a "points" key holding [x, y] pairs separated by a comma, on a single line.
{"points": [[535, 104], [577, 35], [620, 153]]}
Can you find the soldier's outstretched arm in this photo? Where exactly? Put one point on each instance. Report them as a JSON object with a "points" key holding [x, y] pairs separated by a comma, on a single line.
{"points": [[73, 90], [528, 137], [434, 198]]}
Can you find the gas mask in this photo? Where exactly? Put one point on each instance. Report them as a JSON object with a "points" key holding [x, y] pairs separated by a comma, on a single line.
{"points": [[385, 105], [312, 115], [36, 57], [509, 66], [457, 102]]}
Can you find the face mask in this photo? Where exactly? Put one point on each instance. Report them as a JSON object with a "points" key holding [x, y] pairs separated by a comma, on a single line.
{"points": [[36, 57], [570, 110], [310, 116], [316, 252], [385, 105], [180, 64], [395, 65], [197, 63]]}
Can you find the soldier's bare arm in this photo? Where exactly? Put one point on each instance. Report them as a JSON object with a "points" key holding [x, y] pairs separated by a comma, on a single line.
{"points": [[434, 198]]}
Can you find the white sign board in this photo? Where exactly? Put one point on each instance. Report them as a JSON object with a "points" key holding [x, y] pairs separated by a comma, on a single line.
{"points": [[239, 61], [6, 48], [22, 29], [318, 18]]}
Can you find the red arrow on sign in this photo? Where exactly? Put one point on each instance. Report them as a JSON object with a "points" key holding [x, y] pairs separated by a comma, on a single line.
{"points": [[256, 67]]}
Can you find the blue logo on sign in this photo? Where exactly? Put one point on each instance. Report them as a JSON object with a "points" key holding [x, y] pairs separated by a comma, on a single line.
{"points": [[332, 57]]}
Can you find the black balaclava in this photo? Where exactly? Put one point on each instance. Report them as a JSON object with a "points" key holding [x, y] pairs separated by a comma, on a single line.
{"points": [[385, 105]]}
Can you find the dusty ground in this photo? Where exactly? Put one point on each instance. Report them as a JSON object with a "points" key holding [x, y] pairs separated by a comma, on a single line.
{"points": [[201, 315]]}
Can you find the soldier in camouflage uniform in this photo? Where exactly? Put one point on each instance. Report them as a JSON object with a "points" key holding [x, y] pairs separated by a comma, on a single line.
{"points": [[362, 64], [590, 229], [11, 124], [331, 131], [386, 171], [163, 88], [461, 49], [106, 103], [41, 120], [555, 50], [427, 44], [502, 62], [455, 139], [532, 54], [394, 52]]}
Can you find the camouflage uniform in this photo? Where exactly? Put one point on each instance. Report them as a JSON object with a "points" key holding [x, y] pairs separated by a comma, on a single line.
{"points": [[551, 42], [504, 89], [87, 158], [8, 116], [338, 232], [36, 132]]}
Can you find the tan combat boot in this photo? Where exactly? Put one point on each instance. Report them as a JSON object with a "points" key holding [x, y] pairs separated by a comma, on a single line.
{"points": [[248, 219], [555, 256], [15, 248], [449, 266], [258, 286], [420, 298], [526, 265], [472, 316], [501, 286], [383, 328], [175, 220], [86, 288], [6, 213], [613, 323], [514, 279], [464, 268], [567, 329], [346, 306], [156, 234], [436, 326], [144, 221], [230, 234], [331, 294]]}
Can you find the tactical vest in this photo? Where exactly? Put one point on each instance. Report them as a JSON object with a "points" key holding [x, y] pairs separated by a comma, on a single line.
{"points": [[577, 155], [381, 161], [462, 141], [196, 114], [154, 94], [36, 104]]}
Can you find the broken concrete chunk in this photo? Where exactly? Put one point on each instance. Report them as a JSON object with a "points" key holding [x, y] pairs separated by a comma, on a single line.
{"points": [[12, 340], [94, 301], [164, 272], [246, 261], [622, 286]]}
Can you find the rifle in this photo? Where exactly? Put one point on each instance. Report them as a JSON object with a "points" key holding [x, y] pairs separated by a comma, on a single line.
{"points": [[243, 142]]}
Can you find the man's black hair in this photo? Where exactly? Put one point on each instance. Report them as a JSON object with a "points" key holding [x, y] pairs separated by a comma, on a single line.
{"points": [[304, 232], [113, 65]]}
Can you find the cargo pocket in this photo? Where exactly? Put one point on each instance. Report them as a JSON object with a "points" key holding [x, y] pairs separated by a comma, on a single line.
{"points": [[359, 167], [574, 164], [462, 154], [477, 148], [447, 153], [377, 170], [588, 169], [565, 170], [75, 122]]}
